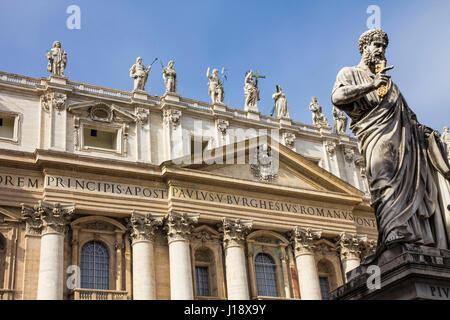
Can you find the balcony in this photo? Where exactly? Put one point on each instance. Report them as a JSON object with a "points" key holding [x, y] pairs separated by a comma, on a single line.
{"points": [[6, 294], [92, 294]]}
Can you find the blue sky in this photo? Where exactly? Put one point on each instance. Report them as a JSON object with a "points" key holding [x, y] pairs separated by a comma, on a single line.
{"points": [[300, 45]]}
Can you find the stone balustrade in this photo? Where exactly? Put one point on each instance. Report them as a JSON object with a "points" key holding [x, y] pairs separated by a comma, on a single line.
{"points": [[92, 294], [6, 294]]}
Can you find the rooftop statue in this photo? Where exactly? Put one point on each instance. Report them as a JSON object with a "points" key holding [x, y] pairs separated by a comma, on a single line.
{"points": [[216, 91], [340, 121], [251, 91], [318, 118], [57, 59], [170, 77], [140, 74], [446, 140], [403, 157], [281, 105]]}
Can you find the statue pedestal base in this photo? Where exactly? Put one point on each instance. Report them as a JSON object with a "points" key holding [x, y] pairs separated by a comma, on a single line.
{"points": [[140, 94], [171, 96], [324, 129], [254, 115], [217, 106], [407, 272], [58, 79], [285, 121]]}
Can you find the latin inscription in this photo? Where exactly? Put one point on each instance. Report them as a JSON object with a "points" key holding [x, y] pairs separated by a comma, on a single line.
{"points": [[21, 182], [104, 187], [264, 204], [146, 192], [440, 292]]}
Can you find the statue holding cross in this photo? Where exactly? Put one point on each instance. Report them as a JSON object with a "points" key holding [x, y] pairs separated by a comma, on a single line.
{"points": [[251, 91]]}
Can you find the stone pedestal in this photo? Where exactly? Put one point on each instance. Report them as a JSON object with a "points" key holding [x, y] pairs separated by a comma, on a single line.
{"points": [[58, 79], [407, 272], [171, 96], [285, 121], [253, 115], [217, 106], [140, 95]]}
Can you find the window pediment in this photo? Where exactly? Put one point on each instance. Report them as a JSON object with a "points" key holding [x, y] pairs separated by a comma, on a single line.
{"points": [[101, 112]]}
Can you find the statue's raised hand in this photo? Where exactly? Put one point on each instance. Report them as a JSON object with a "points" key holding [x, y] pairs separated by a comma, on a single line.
{"points": [[381, 78]]}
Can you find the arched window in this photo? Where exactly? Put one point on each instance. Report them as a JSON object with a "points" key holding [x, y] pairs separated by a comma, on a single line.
{"points": [[327, 278], [266, 275], [205, 273], [94, 266]]}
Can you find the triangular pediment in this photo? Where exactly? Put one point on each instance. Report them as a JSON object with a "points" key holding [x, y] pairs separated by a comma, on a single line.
{"points": [[6, 214], [285, 175], [101, 111], [290, 169]]}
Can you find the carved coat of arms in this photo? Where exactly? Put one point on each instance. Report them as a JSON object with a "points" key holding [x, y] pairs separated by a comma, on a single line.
{"points": [[263, 164]]}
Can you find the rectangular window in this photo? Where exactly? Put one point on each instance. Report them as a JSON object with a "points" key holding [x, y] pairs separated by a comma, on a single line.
{"points": [[7, 127], [101, 139], [324, 288], [202, 277]]}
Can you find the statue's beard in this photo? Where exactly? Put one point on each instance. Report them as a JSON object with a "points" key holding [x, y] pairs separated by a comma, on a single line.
{"points": [[372, 60]]}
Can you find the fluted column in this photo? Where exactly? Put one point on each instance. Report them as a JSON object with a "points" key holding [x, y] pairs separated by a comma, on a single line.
{"points": [[350, 246], [306, 264], [234, 235], [51, 220], [179, 228], [142, 233]]}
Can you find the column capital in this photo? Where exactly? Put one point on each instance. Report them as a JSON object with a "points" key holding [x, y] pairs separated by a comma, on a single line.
{"points": [[45, 218], [304, 240], [350, 245], [235, 234], [143, 227], [179, 226]]}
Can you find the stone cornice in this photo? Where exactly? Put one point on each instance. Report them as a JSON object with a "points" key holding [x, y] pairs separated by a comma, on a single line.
{"points": [[305, 240], [45, 218], [235, 233], [179, 226], [143, 227]]}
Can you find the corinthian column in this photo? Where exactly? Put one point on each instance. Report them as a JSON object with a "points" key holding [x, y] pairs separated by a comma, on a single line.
{"points": [[179, 228], [350, 246], [142, 232], [51, 220], [306, 264], [234, 235]]}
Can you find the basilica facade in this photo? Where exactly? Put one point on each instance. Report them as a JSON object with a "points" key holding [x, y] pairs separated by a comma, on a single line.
{"points": [[108, 195]]}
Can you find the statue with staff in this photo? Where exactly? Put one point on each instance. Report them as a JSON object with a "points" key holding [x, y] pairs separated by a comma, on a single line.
{"points": [[251, 91], [140, 74]]}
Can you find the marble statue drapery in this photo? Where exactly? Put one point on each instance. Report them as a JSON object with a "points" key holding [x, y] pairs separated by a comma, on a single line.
{"points": [[403, 181]]}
